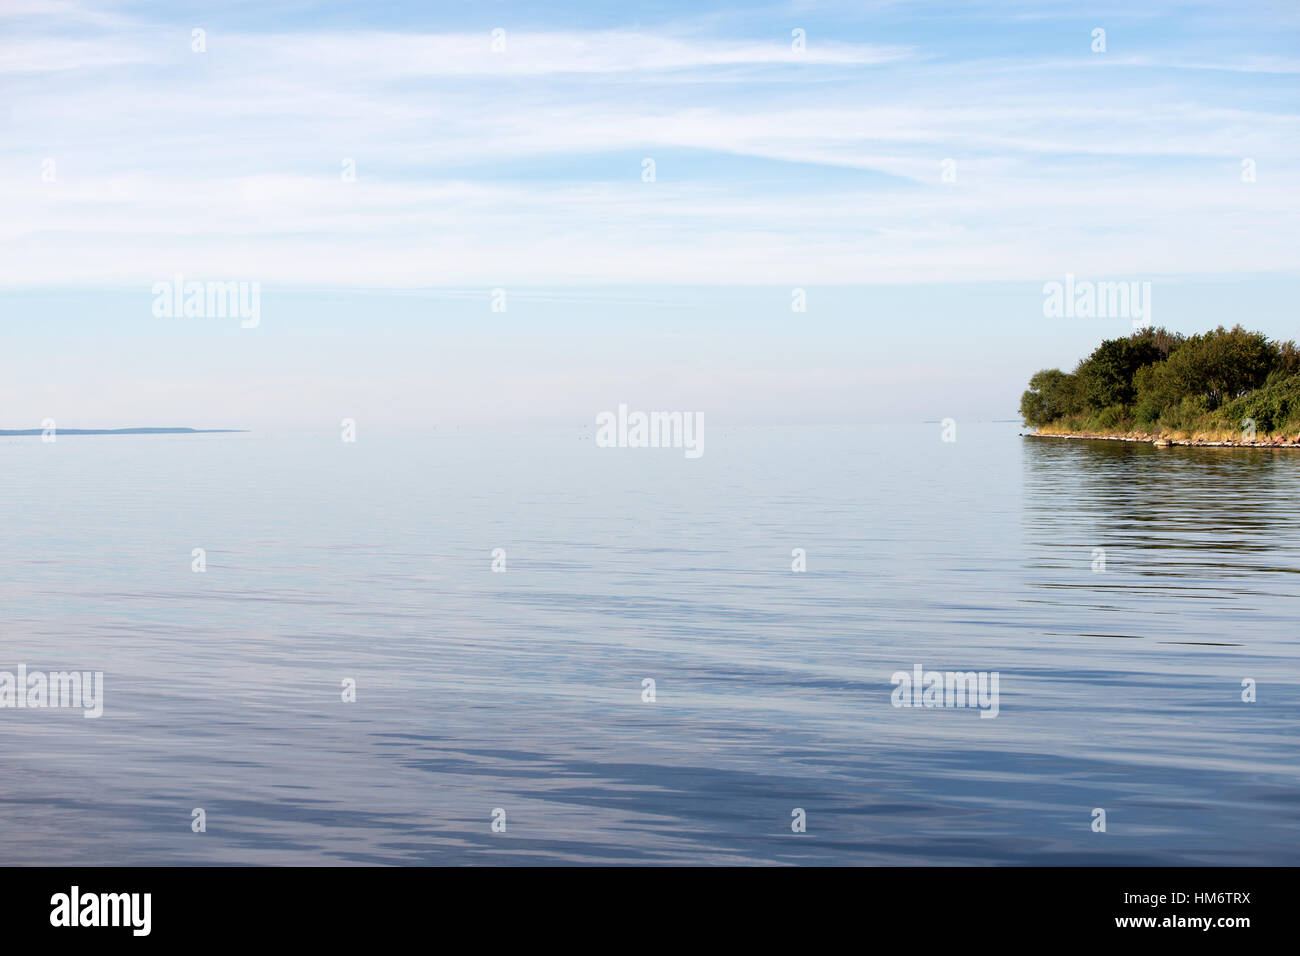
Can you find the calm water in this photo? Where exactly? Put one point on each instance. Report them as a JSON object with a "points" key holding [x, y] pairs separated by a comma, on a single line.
{"points": [[522, 690]]}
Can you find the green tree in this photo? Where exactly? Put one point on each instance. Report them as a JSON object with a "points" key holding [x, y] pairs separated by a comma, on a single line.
{"points": [[1215, 368], [1052, 395], [1107, 374]]}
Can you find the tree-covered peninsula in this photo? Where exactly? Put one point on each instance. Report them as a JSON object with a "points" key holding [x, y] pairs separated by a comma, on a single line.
{"points": [[1228, 385]]}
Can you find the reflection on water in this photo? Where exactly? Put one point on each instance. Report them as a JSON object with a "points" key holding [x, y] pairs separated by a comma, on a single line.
{"points": [[1198, 524], [1120, 687]]}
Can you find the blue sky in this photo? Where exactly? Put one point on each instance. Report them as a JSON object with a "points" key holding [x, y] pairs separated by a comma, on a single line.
{"points": [[521, 169]]}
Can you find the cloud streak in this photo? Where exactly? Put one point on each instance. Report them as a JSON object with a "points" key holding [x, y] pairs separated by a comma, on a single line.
{"points": [[525, 166]]}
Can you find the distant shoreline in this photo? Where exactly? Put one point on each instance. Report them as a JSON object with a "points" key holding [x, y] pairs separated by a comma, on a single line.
{"points": [[19, 432], [1161, 441]]}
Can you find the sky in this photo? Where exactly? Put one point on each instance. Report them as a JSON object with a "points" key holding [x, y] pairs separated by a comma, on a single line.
{"points": [[386, 176]]}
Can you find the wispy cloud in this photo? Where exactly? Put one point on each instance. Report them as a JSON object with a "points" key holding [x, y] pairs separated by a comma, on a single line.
{"points": [[772, 163]]}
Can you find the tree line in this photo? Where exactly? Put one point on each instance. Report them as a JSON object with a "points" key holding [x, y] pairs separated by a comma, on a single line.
{"points": [[1161, 382]]}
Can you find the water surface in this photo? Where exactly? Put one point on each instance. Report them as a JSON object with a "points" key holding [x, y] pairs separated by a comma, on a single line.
{"points": [[1120, 689]]}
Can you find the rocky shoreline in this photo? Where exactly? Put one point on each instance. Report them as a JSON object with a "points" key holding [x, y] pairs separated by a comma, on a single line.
{"points": [[1161, 441]]}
